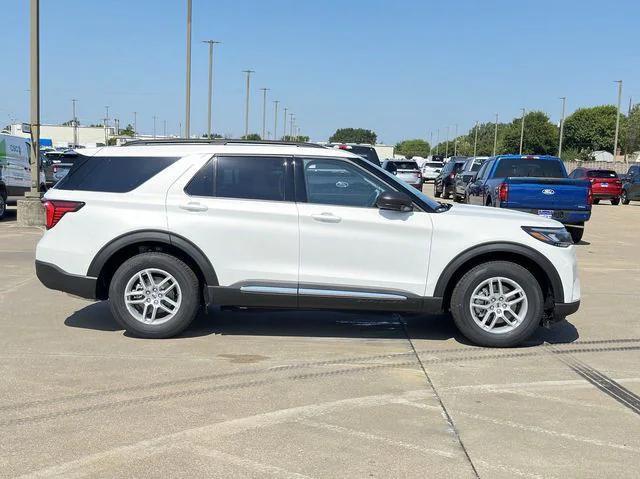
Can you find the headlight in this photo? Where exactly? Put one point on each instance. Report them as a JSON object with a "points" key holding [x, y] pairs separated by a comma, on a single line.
{"points": [[553, 236]]}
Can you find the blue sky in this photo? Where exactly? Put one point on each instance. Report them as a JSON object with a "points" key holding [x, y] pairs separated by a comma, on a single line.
{"points": [[402, 68]]}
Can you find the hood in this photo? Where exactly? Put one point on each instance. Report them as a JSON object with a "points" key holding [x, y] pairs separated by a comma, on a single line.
{"points": [[500, 214]]}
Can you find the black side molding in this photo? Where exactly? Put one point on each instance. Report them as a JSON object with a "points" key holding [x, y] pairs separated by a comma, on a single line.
{"points": [[55, 278]]}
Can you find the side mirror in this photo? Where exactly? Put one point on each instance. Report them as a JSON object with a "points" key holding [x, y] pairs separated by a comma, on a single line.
{"points": [[395, 201]]}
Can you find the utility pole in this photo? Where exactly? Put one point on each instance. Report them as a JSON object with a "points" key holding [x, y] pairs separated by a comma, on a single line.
{"points": [[564, 102], [246, 107], [154, 126], [164, 128], [291, 115], [521, 130], [455, 142], [275, 120], [627, 142], [430, 141], [211, 43], [475, 141], [495, 137], [264, 111], [187, 121], [116, 124], [615, 140], [438, 142], [284, 124], [446, 149], [135, 124]]}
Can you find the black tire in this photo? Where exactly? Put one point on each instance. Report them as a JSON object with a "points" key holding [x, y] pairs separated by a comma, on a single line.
{"points": [[436, 193], [625, 198], [184, 276], [445, 193], [615, 201], [466, 199], [596, 201], [3, 205], [576, 234], [461, 300]]}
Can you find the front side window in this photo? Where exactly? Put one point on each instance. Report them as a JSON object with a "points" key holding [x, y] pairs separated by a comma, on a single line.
{"points": [[482, 172], [255, 178], [338, 182]]}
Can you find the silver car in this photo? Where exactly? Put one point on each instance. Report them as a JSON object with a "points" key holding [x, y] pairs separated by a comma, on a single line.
{"points": [[406, 170]]}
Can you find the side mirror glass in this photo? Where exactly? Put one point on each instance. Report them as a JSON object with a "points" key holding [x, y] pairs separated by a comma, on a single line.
{"points": [[395, 201]]}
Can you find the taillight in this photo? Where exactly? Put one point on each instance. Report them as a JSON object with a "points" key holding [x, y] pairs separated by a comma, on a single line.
{"points": [[589, 196], [56, 209], [503, 192]]}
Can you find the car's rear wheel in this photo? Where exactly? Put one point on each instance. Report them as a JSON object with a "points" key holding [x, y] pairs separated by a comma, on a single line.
{"points": [[445, 192], [436, 193], [154, 295], [615, 201], [596, 201], [3, 206], [497, 304], [624, 198]]}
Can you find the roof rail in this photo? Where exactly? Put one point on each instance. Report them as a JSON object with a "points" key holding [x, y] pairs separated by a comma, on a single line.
{"points": [[216, 141]]}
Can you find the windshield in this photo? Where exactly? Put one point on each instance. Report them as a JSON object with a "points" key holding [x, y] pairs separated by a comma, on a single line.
{"points": [[530, 168], [602, 174], [406, 165]]}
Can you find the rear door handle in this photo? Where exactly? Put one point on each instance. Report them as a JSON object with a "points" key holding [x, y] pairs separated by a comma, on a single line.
{"points": [[326, 218], [194, 206]]}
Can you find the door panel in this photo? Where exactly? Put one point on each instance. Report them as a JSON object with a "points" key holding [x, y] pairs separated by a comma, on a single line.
{"points": [[246, 240], [348, 244]]}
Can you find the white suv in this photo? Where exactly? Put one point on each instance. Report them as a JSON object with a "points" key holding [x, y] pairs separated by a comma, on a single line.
{"points": [[161, 228]]}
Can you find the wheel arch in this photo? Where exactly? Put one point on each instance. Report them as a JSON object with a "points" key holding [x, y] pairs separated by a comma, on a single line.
{"points": [[111, 255], [538, 264]]}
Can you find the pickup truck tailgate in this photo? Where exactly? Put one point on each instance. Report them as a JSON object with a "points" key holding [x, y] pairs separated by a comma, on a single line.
{"points": [[547, 194]]}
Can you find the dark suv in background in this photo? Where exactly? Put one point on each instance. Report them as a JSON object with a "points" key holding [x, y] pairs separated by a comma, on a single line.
{"points": [[444, 184], [465, 175], [631, 185], [368, 152]]}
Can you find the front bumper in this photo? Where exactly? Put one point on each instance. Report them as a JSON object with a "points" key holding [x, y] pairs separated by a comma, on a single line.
{"points": [[55, 278]]}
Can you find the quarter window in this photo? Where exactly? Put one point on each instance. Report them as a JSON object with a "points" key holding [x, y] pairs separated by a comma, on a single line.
{"points": [[337, 182]]}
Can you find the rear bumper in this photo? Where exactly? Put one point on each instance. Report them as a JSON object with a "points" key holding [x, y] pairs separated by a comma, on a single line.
{"points": [[569, 217], [55, 278], [605, 195]]}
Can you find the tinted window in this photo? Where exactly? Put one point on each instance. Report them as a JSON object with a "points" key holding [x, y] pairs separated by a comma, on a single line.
{"points": [[367, 152], [336, 182], [457, 166], [602, 174], [250, 178], [202, 183], [484, 170], [117, 174], [530, 168], [406, 165]]}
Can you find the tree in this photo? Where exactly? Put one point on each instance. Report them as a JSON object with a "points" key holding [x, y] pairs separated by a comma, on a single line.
{"points": [[411, 148], [127, 131], [540, 135], [251, 137], [354, 135], [632, 133], [592, 129], [212, 136]]}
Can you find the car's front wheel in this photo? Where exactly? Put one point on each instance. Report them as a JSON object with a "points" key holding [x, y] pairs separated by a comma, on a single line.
{"points": [[615, 201], [154, 295], [624, 198], [497, 304], [436, 193]]}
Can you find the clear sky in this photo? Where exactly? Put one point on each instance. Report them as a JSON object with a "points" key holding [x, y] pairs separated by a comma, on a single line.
{"points": [[402, 68]]}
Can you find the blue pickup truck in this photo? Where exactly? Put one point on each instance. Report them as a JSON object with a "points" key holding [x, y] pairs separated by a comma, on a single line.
{"points": [[533, 184]]}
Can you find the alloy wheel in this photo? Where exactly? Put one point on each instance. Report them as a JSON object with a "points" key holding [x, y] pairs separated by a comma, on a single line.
{"points": [[152, 296], [498, 305]]}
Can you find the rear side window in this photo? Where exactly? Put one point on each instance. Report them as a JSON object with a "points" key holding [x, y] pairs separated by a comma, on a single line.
{"points": [[530, 168], [112, 174]]}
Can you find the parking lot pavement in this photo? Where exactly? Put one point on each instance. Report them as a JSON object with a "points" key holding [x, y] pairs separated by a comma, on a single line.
{"points": [[321, 394]]}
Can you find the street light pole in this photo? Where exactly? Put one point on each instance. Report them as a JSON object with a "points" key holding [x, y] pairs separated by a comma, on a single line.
{"points": [[430, 142], [275, 120], [187, 121], [164, 128], [446, 148], [211, 43], [438, 142], [264, 111], [246, 108], [75, 123], [291, 115], [135, 124], [475, 141], [35, 98], [154, 126], [455, 142], [522, 131], [615, 140], [106, 126], [564, 102], [495, 137]]}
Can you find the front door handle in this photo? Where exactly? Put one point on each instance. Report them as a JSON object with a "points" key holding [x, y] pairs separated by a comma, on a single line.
{"points": [[326, 218], [194, 206]]}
